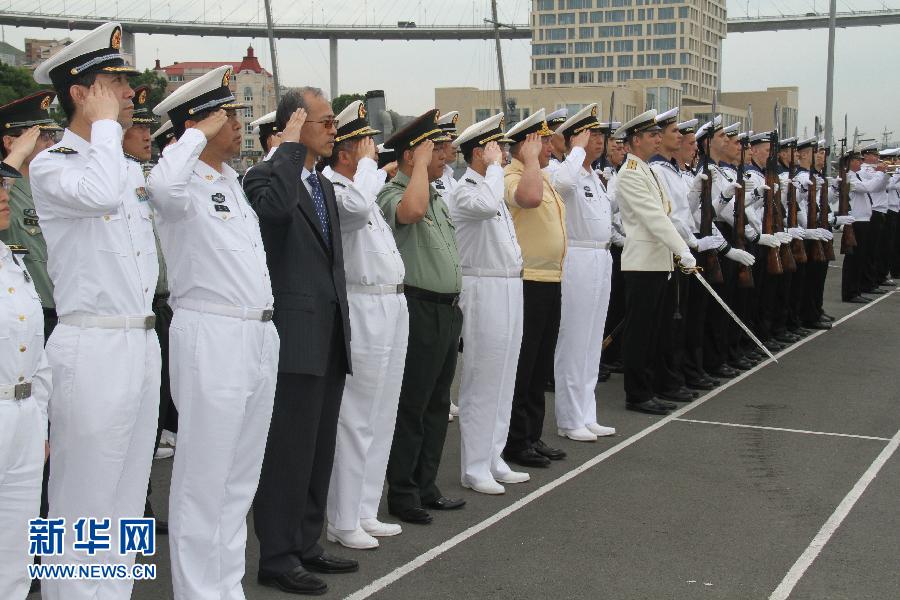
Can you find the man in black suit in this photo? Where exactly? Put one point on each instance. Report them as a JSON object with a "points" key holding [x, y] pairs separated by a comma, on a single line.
{"points": [[301, 231]]}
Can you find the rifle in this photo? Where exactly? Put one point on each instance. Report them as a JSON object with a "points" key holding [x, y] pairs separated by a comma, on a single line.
{"points": [[848, 237], [770, 209], [603, 159], [798, 248], [824, 207], [787, 256], [816, 249], [713, 271], [745, 276]]}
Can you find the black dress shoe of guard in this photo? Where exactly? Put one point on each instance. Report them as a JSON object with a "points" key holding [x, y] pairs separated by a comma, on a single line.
{"points": [[699, 384], [445, 503], [296, 581], [827, 318], [676, 395], [602, 375], [787, 338], [724, 372], [552, 453], [326, 563], [614, 367], [691, 392], [876, 290], [665, 403], [527, 458], [802, 331], [773, 346], [818, 325], [741, 364], [857, 300], [414, 515], [649, 406]]}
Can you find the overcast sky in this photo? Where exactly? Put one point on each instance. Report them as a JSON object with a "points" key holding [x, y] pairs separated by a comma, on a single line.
{"points": [[867, 83]]}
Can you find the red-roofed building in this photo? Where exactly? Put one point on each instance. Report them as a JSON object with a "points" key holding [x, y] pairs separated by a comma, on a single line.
{"points": [[252, 84]]}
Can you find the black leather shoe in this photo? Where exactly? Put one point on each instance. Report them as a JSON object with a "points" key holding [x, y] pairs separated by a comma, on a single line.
{"points": [[699, 384], [296, 581], [827, 318], [162, 527], [415, 515], [877, 291], [740, 364], [787, 338], [725, 372], [445, 503], [801, 331], [773, 346], [818, 325], [676, 395], [649, 406], [527, 458], [552, 453], [691, 392], [614, 367], [603, 375], [665, 403], [326, 563]]}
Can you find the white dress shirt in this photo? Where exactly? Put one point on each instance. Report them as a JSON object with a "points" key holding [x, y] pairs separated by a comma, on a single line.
{"points": [[370, 252], [588, 211], [210, 235], [670, 176], [880, 199], [863, 190], [485, 232], [96, 218], [446, 184], [22, 332]]}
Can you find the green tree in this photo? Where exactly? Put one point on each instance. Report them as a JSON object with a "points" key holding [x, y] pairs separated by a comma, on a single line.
{"points": [[157, 86], [16, 82], [341, 102]]}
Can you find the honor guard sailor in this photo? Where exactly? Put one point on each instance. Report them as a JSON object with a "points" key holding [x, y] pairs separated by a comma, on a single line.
{"points": [[94, 214], [380, 322], [224, 347], [586, 278], [491, 302]]}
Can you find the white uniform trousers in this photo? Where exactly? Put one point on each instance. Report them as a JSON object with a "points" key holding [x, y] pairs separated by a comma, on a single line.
{"points": [[492, 310], [103, 410], [380, 325], [223, 372], [586, 281], [21, 471]]}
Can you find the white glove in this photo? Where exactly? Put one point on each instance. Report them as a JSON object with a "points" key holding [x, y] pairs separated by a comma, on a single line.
{"points": [[833, 180], [710, 242], [741, 257], [697, 185], [796, 233], [783, 237], [768, 240], [608, 173], [758, 191], [826, 236], [855, 185], [844, 220], [686, 259], [808, 234], [617, 239], [728, 189]]}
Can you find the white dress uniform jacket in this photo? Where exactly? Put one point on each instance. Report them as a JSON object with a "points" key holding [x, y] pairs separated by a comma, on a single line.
{"points": [[879, 193], [586, 284], [223, 363], [379, 320], [104, 353], [447, 183], [23, 419], [862, 193], [651, 239], [492, 306]]}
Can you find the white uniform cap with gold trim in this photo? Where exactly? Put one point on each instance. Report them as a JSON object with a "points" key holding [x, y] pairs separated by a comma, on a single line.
{"points": [[870, 148], [806, 143], [482, 132], [267, 119], [208, 92], [352, 122], [586, 118], [447, 122], [96, 52], [732, 130], [536, 122], [689, 126], [646, 121], [667, 118], [557, 118]]}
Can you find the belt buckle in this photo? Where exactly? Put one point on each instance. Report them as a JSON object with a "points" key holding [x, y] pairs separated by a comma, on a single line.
{"points": [[399, 288], [22, 390], [455, 302], [149, 322], [267, 314]]}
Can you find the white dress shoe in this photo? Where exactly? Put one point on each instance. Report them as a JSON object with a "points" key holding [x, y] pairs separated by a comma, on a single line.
{"points": [[600, 430], [163, 452], [376, 528], [513, 477], [579, 435], [454, 410], [488, 486], [357, 538]]}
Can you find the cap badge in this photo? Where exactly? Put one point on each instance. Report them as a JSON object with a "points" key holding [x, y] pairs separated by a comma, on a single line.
{"points": [[45, 103], [362, 111], [115, 41], [142, 98]]}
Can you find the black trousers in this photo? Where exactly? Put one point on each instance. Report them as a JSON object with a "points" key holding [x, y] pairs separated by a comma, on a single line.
{"points": [[782, 302], [669, 360], [289, 508], [716, 345], [421, 428], [539, 332], [854, 273], [644, 291], [876, 227], [50, 322], [616, 312], [795, 295], [883, 251], [813, 288], [895, 247], [695, 327], [766, 286], [163, 313]]}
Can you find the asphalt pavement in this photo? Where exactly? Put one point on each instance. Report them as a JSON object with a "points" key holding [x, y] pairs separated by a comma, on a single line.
{"points": [[783, 479]]}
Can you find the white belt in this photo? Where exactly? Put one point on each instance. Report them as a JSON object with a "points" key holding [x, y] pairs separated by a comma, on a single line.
{"points": [[375, 289], [237, 312], [19, 391], [147, 322], [475, 272], [590, 244]]}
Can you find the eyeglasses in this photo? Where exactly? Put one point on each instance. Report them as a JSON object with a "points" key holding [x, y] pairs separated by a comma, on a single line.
{"points": [[327, 123], [6, 183]]}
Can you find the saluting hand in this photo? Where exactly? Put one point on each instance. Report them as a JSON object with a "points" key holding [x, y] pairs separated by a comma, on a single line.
{"points": [[292, 129], [492, 153], [365, 148], [212, 125], [22, 147], [423, 153], [581, 139], [101, 104], [531, 147], [391, 168]]}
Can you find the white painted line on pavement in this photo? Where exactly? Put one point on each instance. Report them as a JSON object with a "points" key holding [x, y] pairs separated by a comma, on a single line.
{"points": [[790, 581], [744, 426], [423, 559]]}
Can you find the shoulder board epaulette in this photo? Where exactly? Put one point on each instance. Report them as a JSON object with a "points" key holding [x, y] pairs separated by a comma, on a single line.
{"points": [[339, 184], [17, 249], [472, 181], [62, 150], [631, 164]]}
